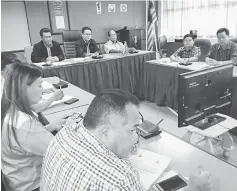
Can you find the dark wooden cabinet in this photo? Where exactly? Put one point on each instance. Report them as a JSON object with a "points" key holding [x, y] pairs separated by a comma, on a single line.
{"points": [[135, 37]]}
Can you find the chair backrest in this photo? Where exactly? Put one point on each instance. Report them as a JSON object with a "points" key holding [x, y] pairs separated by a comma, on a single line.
{"points": [[101, 47], [162, 40], [205, 47], [69, 40], [27, 54], [234, 40], [171, 47]]}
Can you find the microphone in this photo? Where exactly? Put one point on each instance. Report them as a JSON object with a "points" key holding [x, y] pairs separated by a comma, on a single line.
{"points": [[61, 84]]}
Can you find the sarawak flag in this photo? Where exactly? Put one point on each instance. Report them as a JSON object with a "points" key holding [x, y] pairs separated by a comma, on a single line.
{"points": [[152, 18]]}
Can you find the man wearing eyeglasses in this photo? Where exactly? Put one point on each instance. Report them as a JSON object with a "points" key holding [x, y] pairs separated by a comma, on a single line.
{"points": [[224, 50], [93, 155], [86, 46]]}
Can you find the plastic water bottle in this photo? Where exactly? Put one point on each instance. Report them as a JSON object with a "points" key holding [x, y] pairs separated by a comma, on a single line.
{"points": [[200, 180], [125, 48]]}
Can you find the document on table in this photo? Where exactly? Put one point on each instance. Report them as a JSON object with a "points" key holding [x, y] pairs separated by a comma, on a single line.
{"points": [[47, 96], [149, 165]]}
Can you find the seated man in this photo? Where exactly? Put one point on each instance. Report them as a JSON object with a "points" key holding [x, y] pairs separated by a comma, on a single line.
{"points": [[187, 53], [92, 155], [47, 50], [86, 46], [224, 50], [114, 46]]}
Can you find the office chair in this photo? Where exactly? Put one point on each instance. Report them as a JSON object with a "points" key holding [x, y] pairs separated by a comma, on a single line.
{"points": [[171, 47], [3, 182], [205, 47], [234, 40], [69, 40], [27, 54], [162, 42], [101, 47]]}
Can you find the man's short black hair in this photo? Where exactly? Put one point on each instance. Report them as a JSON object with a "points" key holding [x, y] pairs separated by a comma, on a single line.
{"points": [[110, 31], [188, 35], [111, 101], [44, 30], [86, 28], [227, 32]]}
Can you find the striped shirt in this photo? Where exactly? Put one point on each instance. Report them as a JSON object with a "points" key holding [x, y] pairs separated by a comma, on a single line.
{"points": [[182, 52], [77, 160], [220, 54]]}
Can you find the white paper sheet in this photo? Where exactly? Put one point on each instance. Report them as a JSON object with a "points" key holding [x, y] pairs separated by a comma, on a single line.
{"points": [[47, 85], [149, 165], [60, 22], [47, 96]]}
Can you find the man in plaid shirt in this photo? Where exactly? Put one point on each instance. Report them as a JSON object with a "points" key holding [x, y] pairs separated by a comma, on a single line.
{"points": [[188, 53], [93, 156]]}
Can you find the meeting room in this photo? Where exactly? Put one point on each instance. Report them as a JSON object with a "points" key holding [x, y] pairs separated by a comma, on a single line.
{"points": [[136, 95]]}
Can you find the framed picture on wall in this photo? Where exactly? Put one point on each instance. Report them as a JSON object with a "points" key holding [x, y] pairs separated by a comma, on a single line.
{"points": [[58, 16], [111, 8]]}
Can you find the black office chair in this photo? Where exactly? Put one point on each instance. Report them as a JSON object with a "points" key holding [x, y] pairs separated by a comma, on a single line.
{"points": [[205, 47], [162, 42], [234, 40], [3, 186], [171, 47], [69, 40]]}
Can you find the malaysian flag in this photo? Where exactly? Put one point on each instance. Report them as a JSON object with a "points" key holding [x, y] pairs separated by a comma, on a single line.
{"points": [[152, 18]]}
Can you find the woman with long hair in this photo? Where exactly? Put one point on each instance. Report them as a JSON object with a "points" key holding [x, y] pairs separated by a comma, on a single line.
{"points": [[24, 138]]}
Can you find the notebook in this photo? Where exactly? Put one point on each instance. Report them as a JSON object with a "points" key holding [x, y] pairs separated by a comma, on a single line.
{"points": [[149, 165]]}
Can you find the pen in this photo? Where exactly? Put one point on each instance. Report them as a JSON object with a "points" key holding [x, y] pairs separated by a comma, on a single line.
{"points": [[60, 84], [160, 121]]}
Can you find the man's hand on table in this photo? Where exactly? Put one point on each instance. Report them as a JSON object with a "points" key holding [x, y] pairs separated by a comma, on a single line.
{"points": [[181, 60], [52, 59], [211, 62]]}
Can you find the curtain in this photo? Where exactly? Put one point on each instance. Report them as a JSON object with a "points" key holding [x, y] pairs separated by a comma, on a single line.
{"points": [[206, 16]]}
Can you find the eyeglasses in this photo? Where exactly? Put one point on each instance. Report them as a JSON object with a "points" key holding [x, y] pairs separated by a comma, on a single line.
{"points": [[87, 34], [137, 130]]}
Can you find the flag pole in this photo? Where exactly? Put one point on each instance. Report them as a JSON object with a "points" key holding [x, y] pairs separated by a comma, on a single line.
{"points": [[146, 22], [154, 30]]}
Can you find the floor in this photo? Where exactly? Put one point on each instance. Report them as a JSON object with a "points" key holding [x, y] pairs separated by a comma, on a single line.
{"points": [[155, 113]]}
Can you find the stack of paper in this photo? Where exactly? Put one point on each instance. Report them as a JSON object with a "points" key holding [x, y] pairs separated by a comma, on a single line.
{"points": [[47, 96], [149, 165]]}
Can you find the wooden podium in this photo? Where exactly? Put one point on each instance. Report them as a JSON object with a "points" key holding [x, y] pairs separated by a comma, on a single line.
{"points": [[135, 37]]}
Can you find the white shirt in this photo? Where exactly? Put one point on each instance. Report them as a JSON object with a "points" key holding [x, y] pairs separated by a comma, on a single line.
{"points": [[22, 163], [113, 45]]}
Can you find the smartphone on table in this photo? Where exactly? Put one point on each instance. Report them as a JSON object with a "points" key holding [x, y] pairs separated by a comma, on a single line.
{"points": [[71, 101], [171, 184]]}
